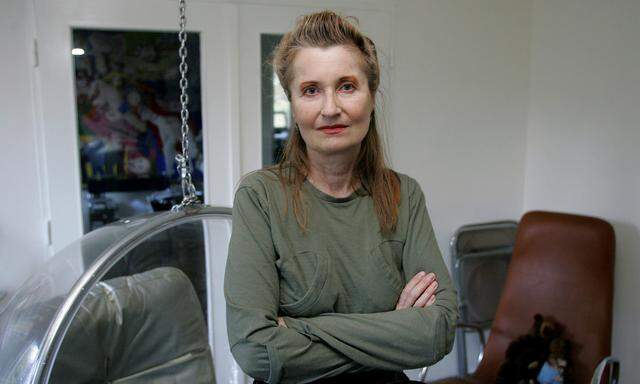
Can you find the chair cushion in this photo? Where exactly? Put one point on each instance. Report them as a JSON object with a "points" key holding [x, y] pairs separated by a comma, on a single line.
{"points": [[143, 328]]}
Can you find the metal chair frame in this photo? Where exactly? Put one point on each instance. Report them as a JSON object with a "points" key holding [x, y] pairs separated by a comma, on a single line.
{"points": [[458, 259]]}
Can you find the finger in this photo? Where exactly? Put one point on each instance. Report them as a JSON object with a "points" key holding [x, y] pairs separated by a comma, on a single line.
{"points": [[407, 289], [426, 295], [419, 289], [413, 289], [431, 299], [413, 295], [422, 300], [415, 280]]}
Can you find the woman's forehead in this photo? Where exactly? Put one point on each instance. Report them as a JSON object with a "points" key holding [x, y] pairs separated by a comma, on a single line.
{"points": [[335, 62]]}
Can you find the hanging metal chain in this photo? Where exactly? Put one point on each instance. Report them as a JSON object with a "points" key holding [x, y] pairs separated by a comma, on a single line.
{"points": [[184, 166]]}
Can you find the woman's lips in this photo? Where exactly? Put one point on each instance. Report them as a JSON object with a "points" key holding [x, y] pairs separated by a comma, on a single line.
{"points": [[334, 129]]}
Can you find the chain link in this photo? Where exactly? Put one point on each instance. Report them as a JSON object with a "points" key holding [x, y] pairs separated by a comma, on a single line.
{"points": [[184, 166]]}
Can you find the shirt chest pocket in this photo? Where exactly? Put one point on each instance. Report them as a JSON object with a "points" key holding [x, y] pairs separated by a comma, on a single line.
{"points": [[302, 280], [385, 268]]}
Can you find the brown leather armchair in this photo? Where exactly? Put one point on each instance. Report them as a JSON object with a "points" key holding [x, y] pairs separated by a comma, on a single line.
{"points": [[562, 266]]}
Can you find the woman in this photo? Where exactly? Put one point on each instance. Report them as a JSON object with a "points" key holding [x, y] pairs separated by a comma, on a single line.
{"points": [[334, 274]]}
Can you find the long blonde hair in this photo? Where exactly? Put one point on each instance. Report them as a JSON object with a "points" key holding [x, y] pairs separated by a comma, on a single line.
{"points": [[326, 29]]}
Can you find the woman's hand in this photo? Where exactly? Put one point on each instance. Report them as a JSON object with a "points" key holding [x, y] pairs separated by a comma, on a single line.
{"points": [[419, 291], [281, 322]]}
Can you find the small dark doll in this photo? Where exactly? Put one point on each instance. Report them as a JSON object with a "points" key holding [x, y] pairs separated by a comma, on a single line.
{"points": [[557, 368], [526, 355]]}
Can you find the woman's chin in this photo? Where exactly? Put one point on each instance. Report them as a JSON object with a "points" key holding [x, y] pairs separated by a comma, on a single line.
{"points": [[333, 149]]}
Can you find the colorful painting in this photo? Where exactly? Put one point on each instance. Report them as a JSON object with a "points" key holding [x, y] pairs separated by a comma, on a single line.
{"points": [[129, 110]]}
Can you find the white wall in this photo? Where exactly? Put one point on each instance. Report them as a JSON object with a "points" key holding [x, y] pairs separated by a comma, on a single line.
{"points": [[584, 134], [459, 111], [22, 216], [459, 107]]}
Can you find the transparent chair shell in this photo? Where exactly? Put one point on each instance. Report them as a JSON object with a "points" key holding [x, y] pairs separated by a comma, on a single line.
{"points": [[33, 322]]}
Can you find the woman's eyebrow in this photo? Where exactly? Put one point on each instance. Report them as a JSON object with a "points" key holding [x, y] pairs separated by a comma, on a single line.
{"points": [[342, 79], [307, 83], [352, 79]]}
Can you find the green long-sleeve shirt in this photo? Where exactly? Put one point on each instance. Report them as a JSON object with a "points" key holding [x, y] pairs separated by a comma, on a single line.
{"points": [[335, 286]]}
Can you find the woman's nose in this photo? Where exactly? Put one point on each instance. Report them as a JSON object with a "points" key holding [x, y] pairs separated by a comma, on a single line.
{"points": [[330, 105]]}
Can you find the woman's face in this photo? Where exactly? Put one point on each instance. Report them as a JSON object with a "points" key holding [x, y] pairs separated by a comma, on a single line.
{"points": [[330, 99]]}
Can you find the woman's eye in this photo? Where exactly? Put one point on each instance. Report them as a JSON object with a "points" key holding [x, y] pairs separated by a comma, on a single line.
{"points": [[347, 87], [310, 91]]}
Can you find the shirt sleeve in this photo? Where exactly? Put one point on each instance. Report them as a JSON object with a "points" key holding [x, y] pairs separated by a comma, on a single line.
{"points": [[400, 339], [264, 350]]}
